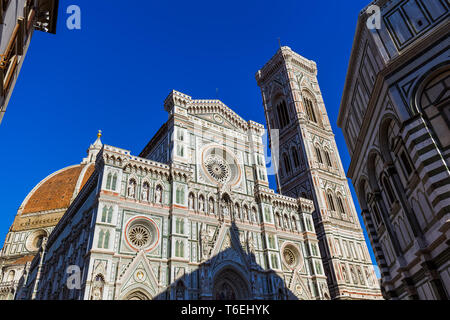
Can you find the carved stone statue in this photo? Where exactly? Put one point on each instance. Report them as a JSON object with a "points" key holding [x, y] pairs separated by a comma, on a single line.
{"points": [[211, 206], [97, 289], [191, 202], [131, 189], [158, 194], [225, 209], [253, 215], [145, 192], [204, 243], [251, 243], [201, 204]]}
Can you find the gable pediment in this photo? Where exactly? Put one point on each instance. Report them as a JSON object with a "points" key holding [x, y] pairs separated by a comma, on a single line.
{"points": [[217, 113]]}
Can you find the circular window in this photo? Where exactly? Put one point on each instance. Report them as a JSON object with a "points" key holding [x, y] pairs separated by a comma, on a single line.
{"points": [[142, 234], [139, 236], [291, 256], [34, 241], [220, 166], [218, 169]]}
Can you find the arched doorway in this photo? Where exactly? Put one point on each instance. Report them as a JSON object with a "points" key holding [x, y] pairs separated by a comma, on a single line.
{"points": [[138, 295], [230, 285]]}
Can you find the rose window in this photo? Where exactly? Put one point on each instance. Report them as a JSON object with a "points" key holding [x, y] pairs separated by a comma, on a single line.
{"points": [[292, 256], [218, 169], [141, 234], [289, 257]]}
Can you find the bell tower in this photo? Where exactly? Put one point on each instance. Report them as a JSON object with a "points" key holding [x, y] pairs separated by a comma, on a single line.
{"points": [[308, 165]]}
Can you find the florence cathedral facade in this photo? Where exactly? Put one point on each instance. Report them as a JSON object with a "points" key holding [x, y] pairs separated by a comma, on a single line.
{"points": [[193, 217]]}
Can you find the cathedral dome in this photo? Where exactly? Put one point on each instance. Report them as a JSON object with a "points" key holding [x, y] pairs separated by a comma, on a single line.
{"points": [[57, 190], [47, 202], [55, 193]]}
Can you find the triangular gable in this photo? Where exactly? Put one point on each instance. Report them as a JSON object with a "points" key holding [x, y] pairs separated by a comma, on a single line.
{"points": [[298, 288], [216, 112], [228, 248], [139, 274]]}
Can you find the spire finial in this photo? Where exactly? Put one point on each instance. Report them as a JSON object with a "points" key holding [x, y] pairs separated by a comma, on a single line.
{"points": [[99, 134], [279, 42]]}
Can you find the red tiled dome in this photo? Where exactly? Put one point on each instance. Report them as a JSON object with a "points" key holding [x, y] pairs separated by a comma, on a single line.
{"points": [[57, 190]]}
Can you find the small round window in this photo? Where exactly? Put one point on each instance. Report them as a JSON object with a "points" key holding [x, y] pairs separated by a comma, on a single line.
{"points": [[34, 240]]}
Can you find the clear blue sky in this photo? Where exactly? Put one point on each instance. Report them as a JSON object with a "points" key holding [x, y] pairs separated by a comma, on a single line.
{"points": [[115, 73]]}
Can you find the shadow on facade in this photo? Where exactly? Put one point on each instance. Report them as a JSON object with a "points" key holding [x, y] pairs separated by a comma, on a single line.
{"points": [[230, 274]]}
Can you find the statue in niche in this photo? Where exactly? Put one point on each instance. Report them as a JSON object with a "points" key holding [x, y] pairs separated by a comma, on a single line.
{"points": [[286, 222], [132, 188], [225, 209], [191, 202], [253, 217], [145, 191], [211, 206], [201, 204], [204, 243], [251, 243], [158, 194], [97, 289]]}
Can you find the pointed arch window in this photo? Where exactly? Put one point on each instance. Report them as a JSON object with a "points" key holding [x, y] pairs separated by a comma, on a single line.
{"points": [[295, 157], [104, 213], [108, 181], [179, 226], [319, 155], [310, 111], [328, 158], [308, 224], [271, 241], [180, 195], [274, 261], [106, 243], [110, 213], [331, 202], [179, 249], [103, 239], [100, 239], [283, 115], [341, 206], [180, 150], [287, 164], [114, 182]]}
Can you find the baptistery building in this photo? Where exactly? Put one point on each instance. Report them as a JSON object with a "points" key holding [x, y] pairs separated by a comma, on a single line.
{"points": [[395, 115], [193, 217]]}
